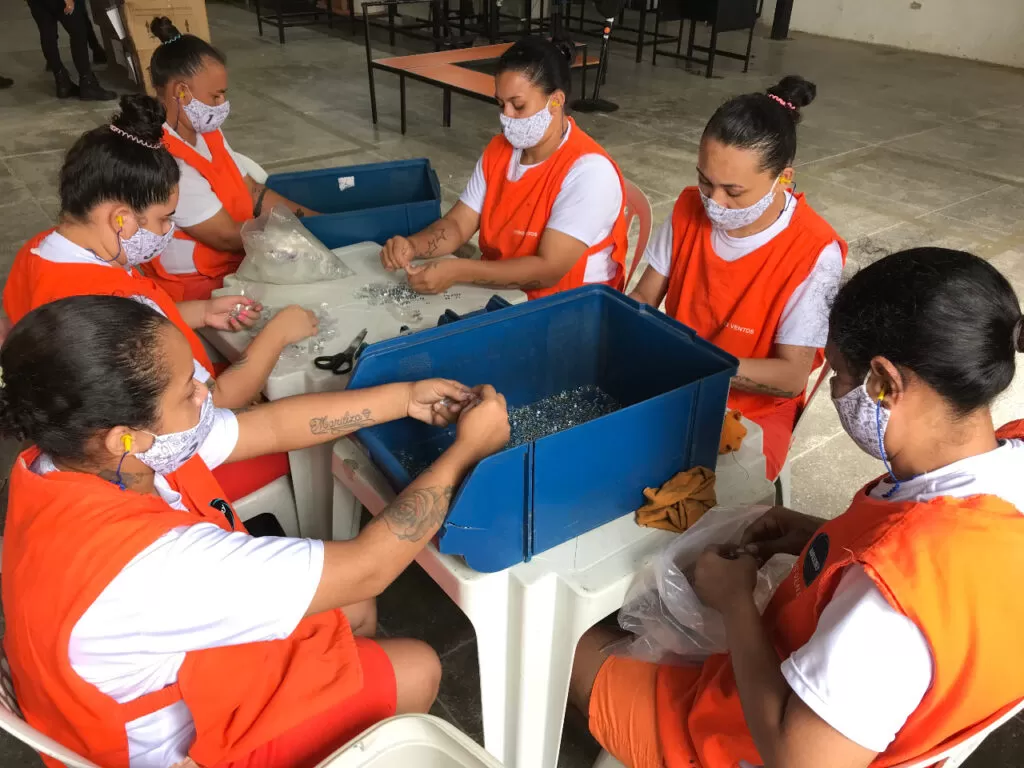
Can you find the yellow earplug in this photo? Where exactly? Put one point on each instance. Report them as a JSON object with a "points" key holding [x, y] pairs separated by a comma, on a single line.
{"points": [[126, 441], [881, 394], [120, 221]]}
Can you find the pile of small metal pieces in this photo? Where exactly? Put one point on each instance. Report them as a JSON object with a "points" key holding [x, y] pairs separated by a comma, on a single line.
{"points": [[565, 410], [399, 294]]}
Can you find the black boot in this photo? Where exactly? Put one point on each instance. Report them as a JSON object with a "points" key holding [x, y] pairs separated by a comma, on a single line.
{"points": [[66, 87], [5, 82], [99, 56], [89, 89]]}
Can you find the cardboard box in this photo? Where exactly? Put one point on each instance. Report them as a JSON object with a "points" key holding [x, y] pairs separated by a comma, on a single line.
{"points": [[189, 16]]}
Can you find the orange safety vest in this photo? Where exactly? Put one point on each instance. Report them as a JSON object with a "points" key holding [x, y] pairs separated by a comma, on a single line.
{"points": [[737, 305], [34, 281], [67, 536], [229, 186], [515, 213], [950, 565]]}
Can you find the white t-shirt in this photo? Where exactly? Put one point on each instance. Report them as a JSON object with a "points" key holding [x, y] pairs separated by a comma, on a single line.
{"points": [[867, 667], [132, 640], [197, 203], [58, 249], [586, 207], [804, 321]]}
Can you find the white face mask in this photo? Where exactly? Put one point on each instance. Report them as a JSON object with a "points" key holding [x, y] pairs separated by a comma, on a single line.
{"points": [[204, 118], [170, 452], [737, 218], [144, 245], [526, 132], [865, 420]]}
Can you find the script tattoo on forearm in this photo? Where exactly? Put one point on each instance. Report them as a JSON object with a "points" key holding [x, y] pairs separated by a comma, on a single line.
{"points": [[416, 514], [749, 385], [528, 285], [340, 425]]}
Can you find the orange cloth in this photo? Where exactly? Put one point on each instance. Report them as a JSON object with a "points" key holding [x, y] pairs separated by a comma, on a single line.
{"points": [[229, 185], [34, 281], [622, 712], [936, 562], [680, 502], [314, 740], [515, 213], [738, 305], [733, 433], [67, 536]]}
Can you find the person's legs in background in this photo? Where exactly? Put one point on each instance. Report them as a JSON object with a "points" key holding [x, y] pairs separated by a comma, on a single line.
{"points": [[78, 28], [46, 21], [99, 56]]}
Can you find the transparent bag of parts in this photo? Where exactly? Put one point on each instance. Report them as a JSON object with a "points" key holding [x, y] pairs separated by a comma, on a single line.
{"points": [[279, 250]]}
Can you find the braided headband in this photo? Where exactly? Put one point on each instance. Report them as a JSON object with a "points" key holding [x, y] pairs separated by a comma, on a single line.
{"points": [[136, 139], [782, 101]]}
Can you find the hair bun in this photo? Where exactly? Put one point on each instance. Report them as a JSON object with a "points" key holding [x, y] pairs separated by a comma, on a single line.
{"points": [[795, 90], [163, 28], [141, 116]]}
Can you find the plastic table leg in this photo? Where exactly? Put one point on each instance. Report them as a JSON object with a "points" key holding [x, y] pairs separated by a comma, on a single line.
{"points": [[313, 485]]}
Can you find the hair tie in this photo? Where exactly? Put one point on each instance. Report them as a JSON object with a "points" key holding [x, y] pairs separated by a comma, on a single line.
{"points": [[136, 139], [1018, 328], [171, 40], [782, 101]]}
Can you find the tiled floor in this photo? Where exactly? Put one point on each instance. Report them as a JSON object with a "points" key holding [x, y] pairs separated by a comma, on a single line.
{"points": [[899, 149]]}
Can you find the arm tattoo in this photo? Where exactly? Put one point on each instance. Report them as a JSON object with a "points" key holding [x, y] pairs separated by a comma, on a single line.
{"points": [[434, 241], [340, 425], [418, 513], [749, 385]]}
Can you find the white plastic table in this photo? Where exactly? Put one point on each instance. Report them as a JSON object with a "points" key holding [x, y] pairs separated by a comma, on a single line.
{"points": [[529, 618], [311, 467]]}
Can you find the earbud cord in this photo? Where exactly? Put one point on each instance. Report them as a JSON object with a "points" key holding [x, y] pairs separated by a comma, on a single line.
{"points": [[881, 446], [118, 480]]}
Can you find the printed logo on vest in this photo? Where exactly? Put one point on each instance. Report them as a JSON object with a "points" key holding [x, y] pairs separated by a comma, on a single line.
{"points": [[814, 560], [739, 329], [225, 509], [524, 233]]}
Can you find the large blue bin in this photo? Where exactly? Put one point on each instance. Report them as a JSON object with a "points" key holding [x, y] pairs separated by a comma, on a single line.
{"points": [[671, 383], [364, 202]]}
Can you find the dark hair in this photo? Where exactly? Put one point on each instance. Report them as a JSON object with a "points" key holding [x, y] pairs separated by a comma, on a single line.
{"points": [[545, 63], [178, 55], [947, 316], [80, 366], [765, 122], [113, 163]]}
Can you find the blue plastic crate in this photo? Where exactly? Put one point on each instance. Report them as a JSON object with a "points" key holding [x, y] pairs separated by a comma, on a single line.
{"points": [[362, 203], [671, 383]]}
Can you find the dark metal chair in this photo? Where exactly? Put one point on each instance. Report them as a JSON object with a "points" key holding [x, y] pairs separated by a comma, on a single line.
{"points": [[720, 15]]}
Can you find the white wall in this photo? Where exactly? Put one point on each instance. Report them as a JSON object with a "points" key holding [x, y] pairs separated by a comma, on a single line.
{"points": [[986, 30]]}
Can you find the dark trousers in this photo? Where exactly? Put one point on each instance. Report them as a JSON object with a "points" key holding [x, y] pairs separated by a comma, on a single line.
{"points": [[48, 14]]}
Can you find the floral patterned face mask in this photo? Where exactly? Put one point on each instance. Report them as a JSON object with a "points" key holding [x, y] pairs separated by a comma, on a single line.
{"points": [[170, 452], [864, 419]]}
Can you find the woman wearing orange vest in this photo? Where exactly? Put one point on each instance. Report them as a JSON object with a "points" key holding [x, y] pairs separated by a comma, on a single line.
{"points": [[546, 198], [118, 191], [217, 196], [144, 624], [896, 633], [748, 264]]}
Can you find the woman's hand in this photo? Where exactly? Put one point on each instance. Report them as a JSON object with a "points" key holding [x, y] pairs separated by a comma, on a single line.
{"points": [[779, 531], [438, 401], [435, 277], [720, 581], [231, 313], [483, 426], [397, 253], [69, 7], [293, 324]]}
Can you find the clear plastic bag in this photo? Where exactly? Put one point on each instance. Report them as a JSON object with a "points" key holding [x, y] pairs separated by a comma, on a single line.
{"points": [[668, 621], [279, 250]]}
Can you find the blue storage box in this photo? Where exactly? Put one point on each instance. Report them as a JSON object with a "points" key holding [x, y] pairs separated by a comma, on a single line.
{"points": [[672, 386], [362, 203]]}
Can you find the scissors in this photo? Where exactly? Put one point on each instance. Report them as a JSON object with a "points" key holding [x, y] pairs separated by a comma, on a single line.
{"points": [[343, 361]]}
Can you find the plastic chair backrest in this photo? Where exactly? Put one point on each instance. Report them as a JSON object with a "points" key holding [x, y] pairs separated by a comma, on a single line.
{"points": [[637, 205], [253, 169]]}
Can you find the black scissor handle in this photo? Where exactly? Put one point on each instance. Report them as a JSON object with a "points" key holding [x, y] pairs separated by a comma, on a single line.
{"points": [[338, 364]]}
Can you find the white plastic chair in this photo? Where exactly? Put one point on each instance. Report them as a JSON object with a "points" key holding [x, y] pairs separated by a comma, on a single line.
{"points": [[637, 205], [950, 758], [276, 498], [785, 479], [253, 169]]}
